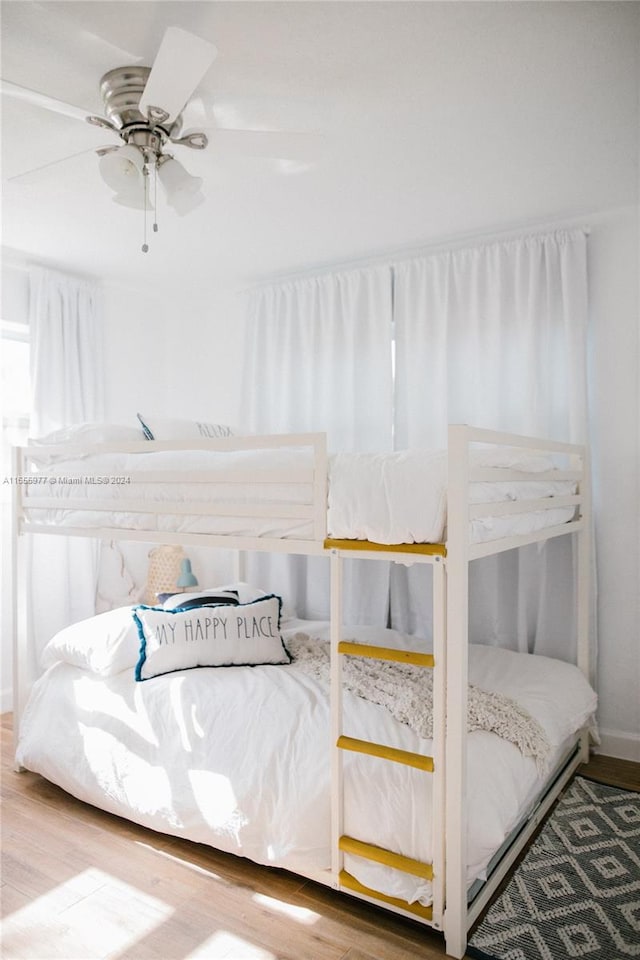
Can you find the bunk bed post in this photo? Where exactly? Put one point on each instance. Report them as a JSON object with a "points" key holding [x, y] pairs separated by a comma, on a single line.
{"points": [[438, 569], [455, 915], [337, 786], [320, 486]]}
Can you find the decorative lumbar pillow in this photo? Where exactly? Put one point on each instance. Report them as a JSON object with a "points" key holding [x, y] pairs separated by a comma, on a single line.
{"points": [[224, 635], [163, 429]]}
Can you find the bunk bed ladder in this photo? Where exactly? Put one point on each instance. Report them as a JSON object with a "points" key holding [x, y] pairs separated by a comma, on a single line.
{"points": [[432, 871]]}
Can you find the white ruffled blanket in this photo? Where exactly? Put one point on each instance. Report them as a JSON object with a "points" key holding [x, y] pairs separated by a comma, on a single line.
{"points": [[406, 691]]}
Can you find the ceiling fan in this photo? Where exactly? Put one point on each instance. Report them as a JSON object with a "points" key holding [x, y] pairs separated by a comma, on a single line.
{"points": [[143, 109]]}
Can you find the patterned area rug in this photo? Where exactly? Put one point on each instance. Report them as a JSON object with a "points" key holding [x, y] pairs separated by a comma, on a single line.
{"points": [[576, 893]]}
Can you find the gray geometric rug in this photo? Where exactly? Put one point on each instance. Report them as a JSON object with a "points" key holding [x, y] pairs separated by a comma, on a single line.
{"points": [[576, 893]]}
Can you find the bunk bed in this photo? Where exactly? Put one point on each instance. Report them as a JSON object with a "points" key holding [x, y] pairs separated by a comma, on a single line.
{"points": [[387, 801]]}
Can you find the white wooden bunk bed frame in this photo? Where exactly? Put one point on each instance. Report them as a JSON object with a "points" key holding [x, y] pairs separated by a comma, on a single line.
{"points": [[451, 911]]}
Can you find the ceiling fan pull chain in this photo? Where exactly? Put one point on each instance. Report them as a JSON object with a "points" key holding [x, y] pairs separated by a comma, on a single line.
{"points": [[155, 195], [145, 245]]}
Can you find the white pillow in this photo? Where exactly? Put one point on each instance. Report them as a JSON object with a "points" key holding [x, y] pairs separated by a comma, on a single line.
{"points": [[162, 429], [106, 644], [91, 433], [219, 636], [510, 458]]}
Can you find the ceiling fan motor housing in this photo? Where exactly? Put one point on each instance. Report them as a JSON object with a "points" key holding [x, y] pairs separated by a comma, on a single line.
{"points": [[121, 90]]}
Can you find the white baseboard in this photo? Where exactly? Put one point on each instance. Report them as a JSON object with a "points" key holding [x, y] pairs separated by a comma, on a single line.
{"points": [[619, 744]]}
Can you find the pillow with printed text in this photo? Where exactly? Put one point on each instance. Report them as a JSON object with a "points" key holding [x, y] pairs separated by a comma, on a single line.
{"points": [[245, 634], [156, 428]]}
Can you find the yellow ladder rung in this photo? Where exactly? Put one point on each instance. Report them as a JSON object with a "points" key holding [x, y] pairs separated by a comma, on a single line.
{"points": [[417, 909], [353, 649], [378, 854], [425, 549], [419, 760]]}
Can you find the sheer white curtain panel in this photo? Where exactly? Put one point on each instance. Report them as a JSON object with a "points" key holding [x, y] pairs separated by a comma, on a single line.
{"points": [[495, 336], [66, 388], [319, 359]]}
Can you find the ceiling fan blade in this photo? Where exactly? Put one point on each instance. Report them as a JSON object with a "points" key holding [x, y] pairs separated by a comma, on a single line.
{"points": [[33, 176], [181, 63], [270, 144], [236, 112], [68, 21], [17, 92], [56, 47]]}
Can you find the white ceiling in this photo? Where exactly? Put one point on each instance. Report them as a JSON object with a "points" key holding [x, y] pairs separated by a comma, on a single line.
{"points": [[430, 120]]}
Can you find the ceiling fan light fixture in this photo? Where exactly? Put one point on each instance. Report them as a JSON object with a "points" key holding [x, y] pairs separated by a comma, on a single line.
{"points": [[134, 198], [184, 203], [178, 184], [122, 168]]}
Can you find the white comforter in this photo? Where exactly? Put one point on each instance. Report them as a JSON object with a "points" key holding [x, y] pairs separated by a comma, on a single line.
{"points": [[388, 498], [238, 757]]}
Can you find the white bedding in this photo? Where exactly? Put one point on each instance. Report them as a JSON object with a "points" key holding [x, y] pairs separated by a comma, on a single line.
{"points": [[238, 757], [388, 498]]}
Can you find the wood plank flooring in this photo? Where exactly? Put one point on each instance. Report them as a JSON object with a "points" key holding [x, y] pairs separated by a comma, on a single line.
{"points": [[80, 884]]}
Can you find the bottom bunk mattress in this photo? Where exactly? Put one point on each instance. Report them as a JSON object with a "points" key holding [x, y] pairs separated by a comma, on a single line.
{"points": [[239, 757]]}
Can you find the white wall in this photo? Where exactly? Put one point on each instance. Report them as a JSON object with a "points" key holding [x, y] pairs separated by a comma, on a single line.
{"points": [[205, 341], [135, 352], [615, 419], [15, 290], [173, 355]]}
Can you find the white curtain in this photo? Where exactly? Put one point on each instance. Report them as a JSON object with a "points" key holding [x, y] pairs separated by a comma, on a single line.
{"points": [[67, 388], [318, 358], [495, 336]]}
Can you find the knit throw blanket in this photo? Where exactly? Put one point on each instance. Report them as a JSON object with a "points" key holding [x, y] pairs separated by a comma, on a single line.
{"points": [[406, 691]]}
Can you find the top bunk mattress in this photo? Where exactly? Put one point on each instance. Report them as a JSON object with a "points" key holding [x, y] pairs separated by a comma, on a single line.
{"points": [[394, 498]]}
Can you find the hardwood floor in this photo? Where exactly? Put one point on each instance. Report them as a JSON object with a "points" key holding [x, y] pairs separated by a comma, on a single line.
{"points": [[81, 884], [617, 773]]}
